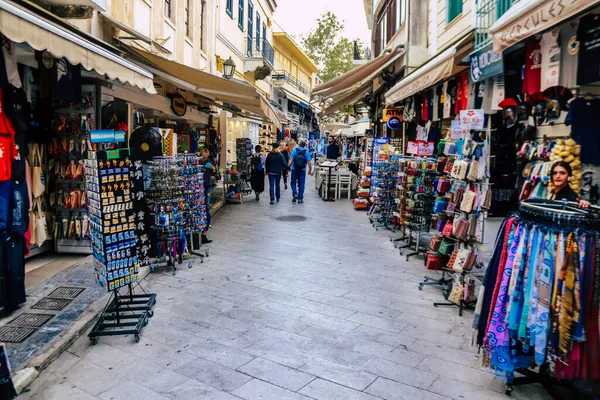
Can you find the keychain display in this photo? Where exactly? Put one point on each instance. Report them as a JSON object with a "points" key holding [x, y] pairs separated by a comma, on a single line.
{"points": [[111, 218]]}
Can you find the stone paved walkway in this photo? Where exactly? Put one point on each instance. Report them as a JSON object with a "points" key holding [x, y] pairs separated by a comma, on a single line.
{"points": [[321, 309]]}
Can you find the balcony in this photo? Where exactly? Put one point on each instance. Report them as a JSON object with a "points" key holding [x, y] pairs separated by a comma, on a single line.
{"points": [[260, 57], [487, 12], [284, 77]]}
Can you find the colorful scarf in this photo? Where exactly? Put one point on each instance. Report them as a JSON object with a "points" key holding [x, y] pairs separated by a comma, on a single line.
{"points": [[568, 306], [542, 313]]}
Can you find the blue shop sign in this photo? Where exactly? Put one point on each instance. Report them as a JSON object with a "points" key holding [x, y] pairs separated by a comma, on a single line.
{"points": [[485, 64], [394, 123]]}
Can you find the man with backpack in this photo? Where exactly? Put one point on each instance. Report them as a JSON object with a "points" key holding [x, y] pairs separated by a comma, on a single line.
{"points": [[299, 159]]}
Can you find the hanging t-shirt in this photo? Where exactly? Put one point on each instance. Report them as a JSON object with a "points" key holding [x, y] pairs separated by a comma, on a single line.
{"points": [[10, 62], [431, 97], [458, 95], [447, 100], [569, 46], [425, 106], [588, 35], [550, 50], [464, 101], [585, 130], [435, 104], [532, 73]]}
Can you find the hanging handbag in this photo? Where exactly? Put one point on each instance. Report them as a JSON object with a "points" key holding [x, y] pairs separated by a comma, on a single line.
{"points": [[434, 243], [435, 262], [70, 172], [447, 231], [461, 260], [452, 259], [456, 294], [38, 182], [467, 202], [446, 247], [41, 227]]}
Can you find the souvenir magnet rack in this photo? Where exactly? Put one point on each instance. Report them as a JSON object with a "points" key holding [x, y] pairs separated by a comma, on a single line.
{"points": [[116, 264]]}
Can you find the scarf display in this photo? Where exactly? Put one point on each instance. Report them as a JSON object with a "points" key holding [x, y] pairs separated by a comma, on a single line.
{"points": [[538, 306]]}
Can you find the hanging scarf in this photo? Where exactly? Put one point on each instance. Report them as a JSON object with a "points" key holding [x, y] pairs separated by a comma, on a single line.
{"points": [[568, 305], [542, 313], [516, 305], [528, 286]]}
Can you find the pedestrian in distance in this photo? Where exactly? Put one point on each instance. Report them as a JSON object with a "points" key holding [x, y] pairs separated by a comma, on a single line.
{"points": [[286, 154], [275, 165], [257, 176], [333, 150], [299, 160]]}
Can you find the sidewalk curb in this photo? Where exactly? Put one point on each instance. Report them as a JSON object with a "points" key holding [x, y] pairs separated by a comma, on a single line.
{"points": [[26, 375]]}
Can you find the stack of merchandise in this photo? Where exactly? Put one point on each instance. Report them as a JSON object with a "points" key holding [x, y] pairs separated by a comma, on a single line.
{"points": [[416, 193], [268, 136], [243, 151], [112, 219], [365, 175]]}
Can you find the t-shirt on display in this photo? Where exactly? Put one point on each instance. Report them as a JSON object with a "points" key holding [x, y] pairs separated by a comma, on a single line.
{"points": [[588, 34]]}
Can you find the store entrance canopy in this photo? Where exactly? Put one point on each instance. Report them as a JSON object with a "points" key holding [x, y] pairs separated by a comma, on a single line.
{"points": [[219, 89], [349, 100], [20, 25], [357, 77], [429, 74], [526, 18]]}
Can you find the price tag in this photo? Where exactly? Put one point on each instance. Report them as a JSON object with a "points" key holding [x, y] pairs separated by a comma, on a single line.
{"points": [[472, 118]]}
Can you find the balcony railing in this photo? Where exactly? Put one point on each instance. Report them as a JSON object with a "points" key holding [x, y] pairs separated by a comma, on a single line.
{"points": [[286, 77], [260, 48], [488, 12]]}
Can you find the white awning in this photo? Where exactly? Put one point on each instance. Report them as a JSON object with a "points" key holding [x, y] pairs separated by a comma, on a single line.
{"points": [[361, 127], [22, 25], [526, 18], [435, 70]]}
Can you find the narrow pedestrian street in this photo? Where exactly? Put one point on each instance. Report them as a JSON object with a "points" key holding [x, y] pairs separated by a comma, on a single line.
{"points": [[320, 308]]}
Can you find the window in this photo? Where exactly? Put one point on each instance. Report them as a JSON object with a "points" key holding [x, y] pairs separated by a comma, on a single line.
{"points": [[258, 42], [241, 15], [264, 31], [169, 9], [229, 8], [454, 9], [202, 14], [400, 13], [383, 31], [186, 18], [250, 24]]}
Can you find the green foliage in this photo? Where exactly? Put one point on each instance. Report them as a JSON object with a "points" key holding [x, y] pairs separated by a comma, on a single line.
{"points": [[326, 46]]}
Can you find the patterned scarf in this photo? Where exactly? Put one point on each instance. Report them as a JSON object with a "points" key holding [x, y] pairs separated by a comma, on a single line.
{"points": [[568, 304]]}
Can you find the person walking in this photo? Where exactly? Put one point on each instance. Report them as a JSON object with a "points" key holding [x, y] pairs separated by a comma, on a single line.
{"points": [[333, 150], [286, 155], [208, 170], [275, 165], [299, 160], [257, 177]]}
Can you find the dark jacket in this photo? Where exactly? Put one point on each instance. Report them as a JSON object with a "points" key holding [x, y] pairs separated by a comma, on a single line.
{"points": [[566, 193], [333, 151], [286, 155], [275, 163]]}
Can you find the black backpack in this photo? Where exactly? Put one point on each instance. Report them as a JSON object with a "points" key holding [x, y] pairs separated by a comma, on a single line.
{"points": [[300, 159], [256, 162]]}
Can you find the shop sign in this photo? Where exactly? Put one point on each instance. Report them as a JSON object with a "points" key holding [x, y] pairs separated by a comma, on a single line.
{"points": [[420, 148], [391, 112], [178, 104], [485, 64], [472, 119], [394, 123], [534, 20]]}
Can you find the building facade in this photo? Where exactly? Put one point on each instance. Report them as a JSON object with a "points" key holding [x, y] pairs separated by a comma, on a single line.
{"points": [[293, 81]]}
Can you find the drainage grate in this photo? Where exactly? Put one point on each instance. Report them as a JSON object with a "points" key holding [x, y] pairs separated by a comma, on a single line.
{"points": [[33, 320], [291, 218], [15, 334], [48, 303], [66, 292]]}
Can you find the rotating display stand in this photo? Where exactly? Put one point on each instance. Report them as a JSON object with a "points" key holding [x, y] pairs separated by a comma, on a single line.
{"points": [[116, 263]]}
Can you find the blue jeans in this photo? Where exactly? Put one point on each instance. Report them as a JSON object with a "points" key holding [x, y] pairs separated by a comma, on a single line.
{"points": [[299, 178], [275, 186]]}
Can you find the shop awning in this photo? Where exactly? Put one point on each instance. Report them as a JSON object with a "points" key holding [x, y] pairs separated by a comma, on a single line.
{"points": [[361, 127], [133, 34], [349, 100], [526, 18], [357, 77], [238, 94], [22, 25], [346, 132]]}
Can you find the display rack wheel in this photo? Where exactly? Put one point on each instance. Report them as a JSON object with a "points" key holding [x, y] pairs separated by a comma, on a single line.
{"points": [[145, 322], [150, 314], [137, 337], [174, 272], [376, 229], [206, 253], [508, 390], [420, 286], [407, 257], [191, 264], [94, 340]]}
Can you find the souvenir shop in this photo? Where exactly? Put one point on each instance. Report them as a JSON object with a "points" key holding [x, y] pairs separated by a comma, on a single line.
{"points": [[54, 113]]}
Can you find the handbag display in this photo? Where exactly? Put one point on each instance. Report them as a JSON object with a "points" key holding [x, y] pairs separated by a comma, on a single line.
{"points": [[38, 182], [435, 262], [41, 230], [434, 243], [446, 247]]}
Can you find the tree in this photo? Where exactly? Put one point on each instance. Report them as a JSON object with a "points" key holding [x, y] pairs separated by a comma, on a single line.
{"points": [[326, 46]]}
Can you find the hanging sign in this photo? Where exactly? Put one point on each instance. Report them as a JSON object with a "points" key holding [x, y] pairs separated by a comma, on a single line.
{"points": [[391, 112], [472, 119], [178, 104], [456, 130], [394, 123], [420, 148], [485, 64]]}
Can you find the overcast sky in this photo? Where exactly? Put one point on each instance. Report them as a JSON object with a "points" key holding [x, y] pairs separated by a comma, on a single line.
{"points": [[297, 18]]}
